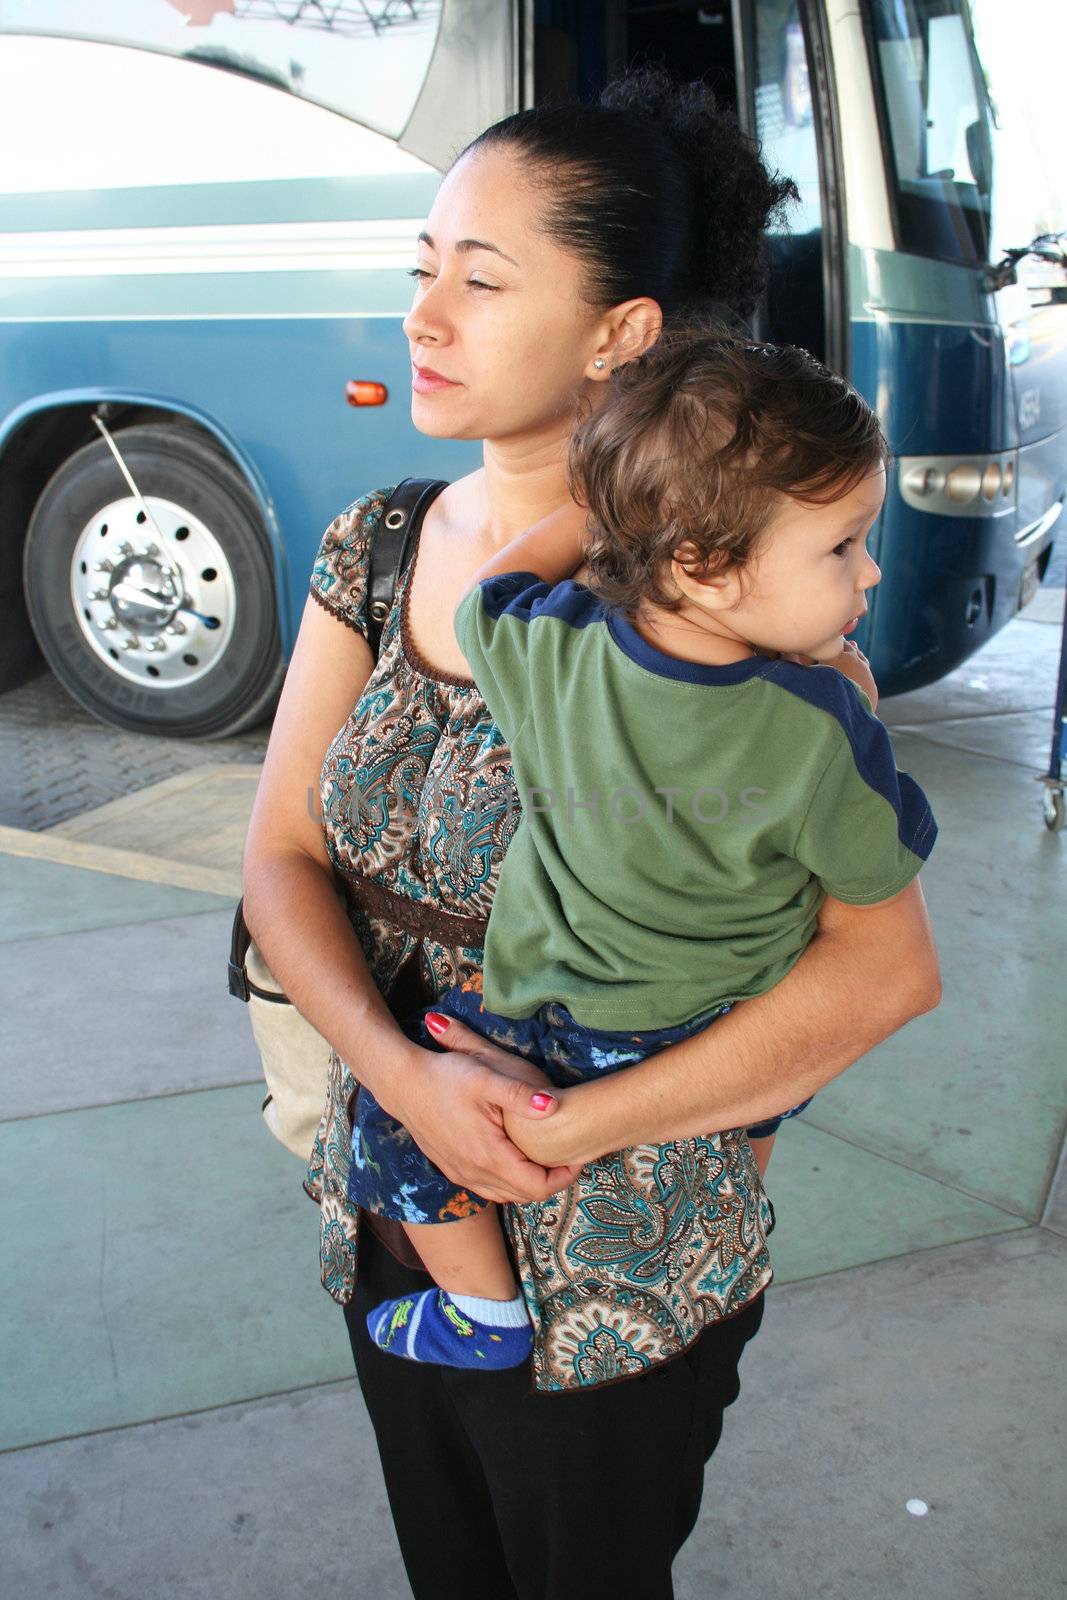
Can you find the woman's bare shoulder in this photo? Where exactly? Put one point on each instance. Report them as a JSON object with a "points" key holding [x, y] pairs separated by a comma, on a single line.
{"points": [[460, 505]]}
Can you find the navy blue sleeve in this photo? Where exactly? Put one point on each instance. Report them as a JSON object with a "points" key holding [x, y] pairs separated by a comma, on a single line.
{"points": [[869, 827]]}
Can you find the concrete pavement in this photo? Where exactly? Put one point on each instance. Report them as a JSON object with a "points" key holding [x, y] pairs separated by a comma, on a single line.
{"points": [[170, 1394]]}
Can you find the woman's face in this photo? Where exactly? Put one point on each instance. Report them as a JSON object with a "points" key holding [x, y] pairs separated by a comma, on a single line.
{"points": [[501, 339]]}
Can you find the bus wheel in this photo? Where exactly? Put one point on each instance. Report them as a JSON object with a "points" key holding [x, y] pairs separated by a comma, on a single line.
{"points": [[165, 623]]}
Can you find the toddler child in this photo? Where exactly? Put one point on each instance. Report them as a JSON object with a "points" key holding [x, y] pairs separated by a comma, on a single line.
{"points": [[697, 757]]}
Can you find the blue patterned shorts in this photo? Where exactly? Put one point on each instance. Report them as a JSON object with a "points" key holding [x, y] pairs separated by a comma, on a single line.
{"points": [[390, 1175]]}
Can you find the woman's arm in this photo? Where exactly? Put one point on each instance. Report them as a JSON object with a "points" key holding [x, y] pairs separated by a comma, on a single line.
{"points": [[867, 971], [454, 1112], [290, 899]]}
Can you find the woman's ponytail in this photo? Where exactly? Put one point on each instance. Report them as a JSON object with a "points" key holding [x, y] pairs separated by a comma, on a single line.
{"points": [[735, 197]]}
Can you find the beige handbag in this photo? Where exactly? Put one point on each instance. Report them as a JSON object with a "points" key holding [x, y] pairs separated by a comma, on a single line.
{"points": [[295, 1055]]}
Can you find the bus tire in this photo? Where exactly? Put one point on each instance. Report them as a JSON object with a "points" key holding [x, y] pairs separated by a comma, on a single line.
{"points": [[166, 624]]}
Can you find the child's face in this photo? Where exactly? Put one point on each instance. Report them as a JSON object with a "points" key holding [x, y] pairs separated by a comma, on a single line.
{"points": [[806, 585]]}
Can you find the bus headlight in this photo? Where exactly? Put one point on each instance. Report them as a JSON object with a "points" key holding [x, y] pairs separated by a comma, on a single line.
{"points": [[962, 484], [925, 480], [959, 486]]}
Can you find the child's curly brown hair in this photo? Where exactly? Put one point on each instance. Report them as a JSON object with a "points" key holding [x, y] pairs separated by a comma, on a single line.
{"points": [[691, 452]]}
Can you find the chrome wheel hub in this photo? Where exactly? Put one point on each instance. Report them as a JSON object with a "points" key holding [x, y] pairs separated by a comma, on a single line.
{"points": [[157, 610]]}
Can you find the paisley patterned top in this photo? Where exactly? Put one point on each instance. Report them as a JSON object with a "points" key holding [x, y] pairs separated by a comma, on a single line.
{"points": [[623, 1269]]}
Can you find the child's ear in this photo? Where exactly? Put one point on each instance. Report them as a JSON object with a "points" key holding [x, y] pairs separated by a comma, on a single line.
{"points": [[710, 578]]}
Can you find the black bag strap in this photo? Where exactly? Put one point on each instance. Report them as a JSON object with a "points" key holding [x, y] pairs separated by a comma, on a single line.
{"points": [[240, 939], [391, 551], [394, 542], [239, 983]]}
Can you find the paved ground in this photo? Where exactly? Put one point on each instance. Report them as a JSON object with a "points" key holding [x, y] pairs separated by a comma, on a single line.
{"points": [[170, 1395], [57, 761]]}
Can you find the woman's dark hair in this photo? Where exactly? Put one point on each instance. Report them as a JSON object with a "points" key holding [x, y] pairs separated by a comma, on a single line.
{"points": [[655, 189], [695, 446]]}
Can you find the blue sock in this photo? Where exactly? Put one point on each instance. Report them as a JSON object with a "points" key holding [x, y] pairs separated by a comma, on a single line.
{"points": [[458, 1330]]}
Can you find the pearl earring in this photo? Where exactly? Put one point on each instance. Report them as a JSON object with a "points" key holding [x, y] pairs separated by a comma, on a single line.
{"points": [[599, 364]]}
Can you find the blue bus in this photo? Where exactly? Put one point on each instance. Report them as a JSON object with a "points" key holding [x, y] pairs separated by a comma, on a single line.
{"points": [[206, 207]]}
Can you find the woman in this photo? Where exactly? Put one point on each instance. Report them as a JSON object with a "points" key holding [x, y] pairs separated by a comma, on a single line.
{"points": [[558, 244]]}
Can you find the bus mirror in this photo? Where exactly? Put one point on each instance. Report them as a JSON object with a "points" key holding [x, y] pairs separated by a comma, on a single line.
{"points": [[980, 155]]}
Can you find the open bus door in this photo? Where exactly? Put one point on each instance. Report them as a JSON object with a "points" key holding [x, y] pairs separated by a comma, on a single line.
{"points": [[769, 61], [786, 99]]}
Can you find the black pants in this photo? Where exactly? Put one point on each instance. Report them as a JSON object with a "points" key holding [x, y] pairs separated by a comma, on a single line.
{"points": [[498, 1493]]}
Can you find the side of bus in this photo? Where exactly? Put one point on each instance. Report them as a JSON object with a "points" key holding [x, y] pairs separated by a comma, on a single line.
{"points": [[178, 362], [182, 317]]}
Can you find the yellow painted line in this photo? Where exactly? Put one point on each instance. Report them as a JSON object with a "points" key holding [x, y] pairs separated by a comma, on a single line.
{"points": [[141, 868]]}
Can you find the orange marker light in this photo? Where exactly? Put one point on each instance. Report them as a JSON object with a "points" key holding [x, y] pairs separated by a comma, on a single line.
{"points": [[361, 392]]}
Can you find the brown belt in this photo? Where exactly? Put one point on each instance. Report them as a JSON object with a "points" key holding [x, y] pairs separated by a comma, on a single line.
{"points": [[412, 916]]}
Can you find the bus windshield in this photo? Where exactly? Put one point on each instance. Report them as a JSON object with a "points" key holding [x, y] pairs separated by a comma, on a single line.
{"points": [[366, 59], [937, 123], [1022, 55]]}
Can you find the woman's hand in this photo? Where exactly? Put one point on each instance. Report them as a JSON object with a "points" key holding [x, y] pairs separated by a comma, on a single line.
{"points": [[462, 1109], [852, 663]]}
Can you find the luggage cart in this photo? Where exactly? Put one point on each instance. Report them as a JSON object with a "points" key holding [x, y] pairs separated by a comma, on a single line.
{"points": [[1055, 780]]}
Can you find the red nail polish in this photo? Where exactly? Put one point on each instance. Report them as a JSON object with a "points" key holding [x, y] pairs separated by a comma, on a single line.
{"points": [[436, 1022], [541, 1102]]}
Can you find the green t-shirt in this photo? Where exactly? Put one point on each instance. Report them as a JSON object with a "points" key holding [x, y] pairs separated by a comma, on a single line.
{"points": [[680, 822]]}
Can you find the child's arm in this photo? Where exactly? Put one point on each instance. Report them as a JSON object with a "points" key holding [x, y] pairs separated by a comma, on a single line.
{"points": [[552, 549], [761, 1149]]}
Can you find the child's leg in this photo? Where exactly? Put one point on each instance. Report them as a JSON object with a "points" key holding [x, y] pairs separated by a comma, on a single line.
{"points": [[761, 1137], [466, 1257], [761, 1149], [477, 1316]]}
